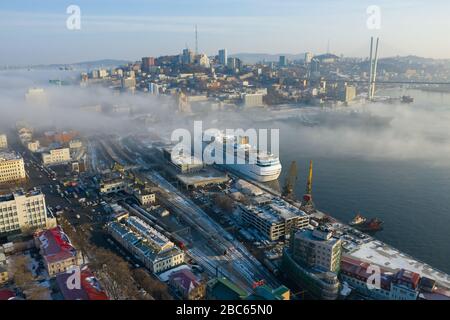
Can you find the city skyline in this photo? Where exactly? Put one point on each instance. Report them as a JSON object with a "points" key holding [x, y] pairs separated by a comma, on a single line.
{"points": [[117, 30]]}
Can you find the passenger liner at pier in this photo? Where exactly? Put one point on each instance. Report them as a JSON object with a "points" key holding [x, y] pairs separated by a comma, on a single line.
{"points": [[265, 167]]}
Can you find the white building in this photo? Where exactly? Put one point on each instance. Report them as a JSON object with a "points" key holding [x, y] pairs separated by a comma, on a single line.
{"points": [[33, 146], [274, 220], [317, 249], [108, 186], [75, 144], [155, 251], [253, 100], [3, 141], [56, 156], [12, 167], [22, 211], [308, 57], [145, 197]]}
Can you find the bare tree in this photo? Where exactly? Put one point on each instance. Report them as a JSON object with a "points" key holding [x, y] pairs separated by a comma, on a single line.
{"points": [[158, 289]]}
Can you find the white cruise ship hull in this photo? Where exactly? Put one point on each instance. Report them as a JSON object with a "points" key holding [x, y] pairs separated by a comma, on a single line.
{"points": [[256, 173]]}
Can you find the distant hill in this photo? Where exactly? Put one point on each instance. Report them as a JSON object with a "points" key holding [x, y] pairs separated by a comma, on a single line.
{"points": [[99, 63], [258, 57]]}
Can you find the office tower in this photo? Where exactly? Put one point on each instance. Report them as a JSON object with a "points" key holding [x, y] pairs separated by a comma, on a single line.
{"points": [[282, 61], [308, 57], [223, 57], [147, 62], [187, 57]]}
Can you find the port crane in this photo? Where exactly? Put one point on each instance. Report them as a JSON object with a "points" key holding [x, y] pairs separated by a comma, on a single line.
{"points": [[307, 202], [291, 179]]}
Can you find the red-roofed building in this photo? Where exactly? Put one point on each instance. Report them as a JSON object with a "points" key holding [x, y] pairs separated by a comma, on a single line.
{"points": [[361, 276], [90, 288], [57, 251], [7, 294], [188, 285]]}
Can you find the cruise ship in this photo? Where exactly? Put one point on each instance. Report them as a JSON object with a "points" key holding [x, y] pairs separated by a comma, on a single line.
{"points": [[267, 166]]}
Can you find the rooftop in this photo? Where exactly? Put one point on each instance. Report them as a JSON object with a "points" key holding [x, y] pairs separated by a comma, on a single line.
{"points": [[55, 245], [277, 211], [90, 287], [9, 155], [380, 253]]}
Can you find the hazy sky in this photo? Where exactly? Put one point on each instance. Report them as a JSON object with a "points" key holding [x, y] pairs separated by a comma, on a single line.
{"points": [[33, 32]]}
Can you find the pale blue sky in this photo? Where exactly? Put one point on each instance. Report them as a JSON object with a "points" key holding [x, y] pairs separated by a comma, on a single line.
{"points": [[34, 31]]}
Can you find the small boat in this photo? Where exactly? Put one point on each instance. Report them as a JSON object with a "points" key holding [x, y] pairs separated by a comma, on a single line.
{"points": [[357, 220], [370, 226]]}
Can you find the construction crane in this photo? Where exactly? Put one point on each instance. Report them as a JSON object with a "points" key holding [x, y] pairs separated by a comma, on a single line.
{"points": [[291, 179], [307, 202]]}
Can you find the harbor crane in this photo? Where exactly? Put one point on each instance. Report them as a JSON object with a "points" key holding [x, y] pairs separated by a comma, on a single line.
{"points": [[291, 179], [307, 202]]}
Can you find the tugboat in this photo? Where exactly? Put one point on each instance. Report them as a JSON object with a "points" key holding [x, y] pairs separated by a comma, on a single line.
{"points": [[360, 222], [357, 220]]}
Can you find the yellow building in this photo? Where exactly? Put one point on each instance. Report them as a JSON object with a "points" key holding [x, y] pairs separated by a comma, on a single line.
{"points": [[3, 141], [58, 253], [4, 276], [56, 156], [11, 167]]}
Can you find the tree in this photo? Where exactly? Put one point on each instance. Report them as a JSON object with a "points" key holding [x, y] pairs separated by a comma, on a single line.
{"points": [[22, 275], [158, 289]]}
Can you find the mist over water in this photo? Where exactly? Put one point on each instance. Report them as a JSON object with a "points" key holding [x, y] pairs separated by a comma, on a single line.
{"points": [[390, 161]]}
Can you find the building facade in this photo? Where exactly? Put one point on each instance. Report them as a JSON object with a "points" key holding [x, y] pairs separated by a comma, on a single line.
{"points": [[391, 285], [58, 253], [12, 167], [3, 141], [317, 248], [151, 248], [274, 220], [312, 262], [56, 156], [22, 211]]}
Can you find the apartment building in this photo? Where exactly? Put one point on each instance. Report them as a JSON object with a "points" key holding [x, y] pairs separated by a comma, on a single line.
{"points": [[12, 167]]}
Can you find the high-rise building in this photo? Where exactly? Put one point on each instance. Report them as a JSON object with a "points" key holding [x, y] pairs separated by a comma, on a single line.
{"points": [[187, 57], [147, 62], [312, 262], [223, 57], [21, 211], [203, 60], [317, 249], [234, 64], [11, 167], [282, 62], [3, 141], [308, 57]]}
